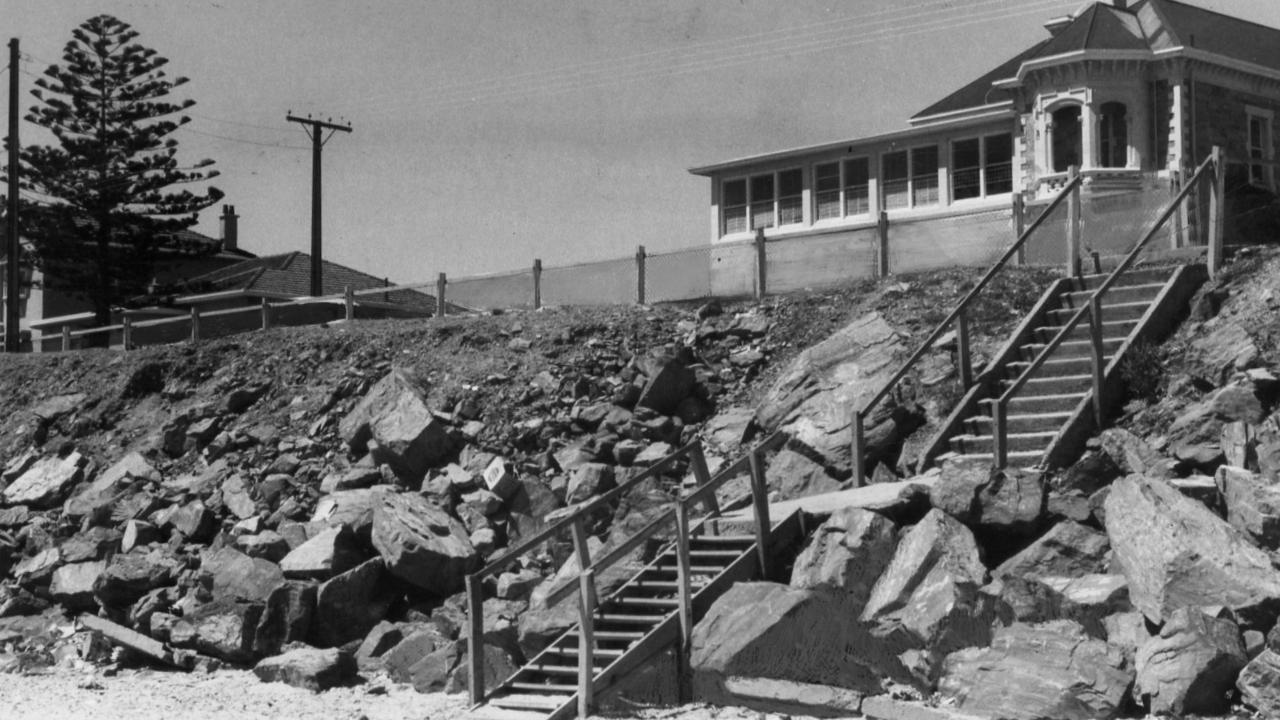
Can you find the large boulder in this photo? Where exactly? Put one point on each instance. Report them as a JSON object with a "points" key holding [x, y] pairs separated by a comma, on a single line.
{"points": [[848, 552], [927, 602], [46, 482], [394, 414], [1191, 666], [1176, 553], [1008, 502], [310, 668], [794, 473], [349, 605], [1068, 549], [224, 628], [1253, 505], [232, 574], [129, 576], [108, 485], [352, 508], [670, 381], [330, 552], [813, 394], [1259, 683], [286, 618], [1034, 672], [422, 544], [72, 584]]}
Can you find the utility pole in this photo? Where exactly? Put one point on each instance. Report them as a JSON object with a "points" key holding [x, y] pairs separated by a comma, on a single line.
{"points": [[315, 130], [12, 276]]}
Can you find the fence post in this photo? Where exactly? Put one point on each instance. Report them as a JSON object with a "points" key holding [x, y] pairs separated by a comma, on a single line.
{"points": [[475, 639], [760, 508], [586, 642], [126, 332], [537, 283], [348, 303], [1217, 209], [962, 349], [702, 475], [1096, 360], [1020, 225], [195, 324], [640, 258], [882, 249], [266, 314], [441, 281], [580, 546], [762, 265], [66, 338], [1073, 225]]}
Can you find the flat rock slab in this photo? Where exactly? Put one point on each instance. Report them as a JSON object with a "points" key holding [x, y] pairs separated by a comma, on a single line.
{"points": [[46, 482], [310, 668], [422, 544], [881, 497]]}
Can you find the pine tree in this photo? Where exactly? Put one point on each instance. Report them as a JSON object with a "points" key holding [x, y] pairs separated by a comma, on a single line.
{"points": [[105, 205]]}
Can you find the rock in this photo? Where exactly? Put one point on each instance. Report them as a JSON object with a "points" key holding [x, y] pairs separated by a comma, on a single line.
{"points": [[1239, 444], [95, 543], [313, 669], [1177, 553], [813, 394], [1132, 454], [751, 632], [1227, 347], [351, 479], [231, 574], [138, 533], [517, 585], [793, 474], [1239, 402], [103, 490], [1087, 599], [129, 576], [1030, 672], [1068, 549], [1253, 505], [499, 480], [383, 637], [328, 553], [848, 552], [223, 628], [1007, 501], [422, 545], [670, 381], [395, 415], [235, 496], [353, 508], [927, 600], [268, 545], [1191, 666], [286, 617], [588, 480], [46, 482], [1259, 683], [193, 520], [349, 605], [37, 569], [727, 429], [72, 584]]}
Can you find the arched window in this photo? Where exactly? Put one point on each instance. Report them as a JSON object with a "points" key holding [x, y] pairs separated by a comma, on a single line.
{"points": [[1066, 138], [1113, 140]]}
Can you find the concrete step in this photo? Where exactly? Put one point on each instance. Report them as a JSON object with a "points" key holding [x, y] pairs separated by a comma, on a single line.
{"points": [[1110, 311], [1133, 293], [1037, 441], [1139, 276], [1111, 330], [1023, 423], [1050, 403]]}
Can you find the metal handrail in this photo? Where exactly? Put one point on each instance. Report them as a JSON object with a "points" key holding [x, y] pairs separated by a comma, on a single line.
{"points": [[1093, 308], [860, 415]]}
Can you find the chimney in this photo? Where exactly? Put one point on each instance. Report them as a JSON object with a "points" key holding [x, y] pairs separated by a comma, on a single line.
{"points": [[230, 228], [1120, 4]]}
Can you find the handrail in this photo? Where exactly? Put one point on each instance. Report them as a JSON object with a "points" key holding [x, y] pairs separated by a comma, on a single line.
{"points": [[861, 414], [1093, 308]]}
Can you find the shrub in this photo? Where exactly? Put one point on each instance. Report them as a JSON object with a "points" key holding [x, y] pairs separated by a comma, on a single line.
{"points": [[1142, 371]]}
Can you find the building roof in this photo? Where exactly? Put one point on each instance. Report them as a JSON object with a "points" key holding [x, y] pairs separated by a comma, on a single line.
{"points": [[289, 275]]}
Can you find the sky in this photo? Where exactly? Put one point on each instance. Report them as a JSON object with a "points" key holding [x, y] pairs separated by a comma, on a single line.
{"points": [[487, 133]]}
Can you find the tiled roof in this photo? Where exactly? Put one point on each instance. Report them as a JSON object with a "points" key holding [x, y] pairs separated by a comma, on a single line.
{"points": [[1146, 25], [289, 275]]}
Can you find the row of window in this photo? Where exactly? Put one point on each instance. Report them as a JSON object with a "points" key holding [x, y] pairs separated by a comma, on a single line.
{"points": [[980, 167]]}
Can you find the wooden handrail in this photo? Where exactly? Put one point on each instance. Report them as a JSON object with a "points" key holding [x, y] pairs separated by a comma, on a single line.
{"points": [[957, 314], [1091, 307]]}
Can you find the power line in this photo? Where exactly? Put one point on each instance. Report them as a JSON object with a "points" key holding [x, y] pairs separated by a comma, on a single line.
{"points": [[237, 122], [242, 140]]}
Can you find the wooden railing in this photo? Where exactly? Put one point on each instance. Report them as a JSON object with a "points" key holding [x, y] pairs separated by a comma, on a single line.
{"points": [[1070, 193], [584, 583], [1212, 169]]}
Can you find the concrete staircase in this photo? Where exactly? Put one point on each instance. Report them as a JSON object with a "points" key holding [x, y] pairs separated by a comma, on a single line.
{"points": [[1048, 415], [631, 626]]}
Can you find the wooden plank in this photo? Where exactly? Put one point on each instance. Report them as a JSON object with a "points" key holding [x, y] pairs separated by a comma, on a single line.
{"points": [[586, 642], [760, 505], [475, 639], [134, 640]]}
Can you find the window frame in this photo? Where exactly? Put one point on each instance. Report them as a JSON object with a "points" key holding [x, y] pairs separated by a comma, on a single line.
{"points": [[983, 167], [1261, 175], [777, 200], [842, 190], [911, 177]]}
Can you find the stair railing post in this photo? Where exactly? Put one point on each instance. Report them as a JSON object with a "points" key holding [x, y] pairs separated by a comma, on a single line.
{"points": [[266, 314], [963, 350], [640, 270], [537, 283], [762, 265], [760, 507], [348, 303], [580, 546], [195, 324], [1020, 226], [859, 449], [1217, 208], [475, 640], [1073, 224], [586, 641], [684, 592], [441, 282], [698, 459], [1095, 349], [126, 333], [882, 245], [999, 433]]}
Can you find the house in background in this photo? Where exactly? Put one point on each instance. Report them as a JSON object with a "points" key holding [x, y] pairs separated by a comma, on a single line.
{"points": [[1135, 93]]}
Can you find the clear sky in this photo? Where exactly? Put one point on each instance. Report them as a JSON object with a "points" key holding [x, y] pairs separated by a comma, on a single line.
{"points": [[490, 132]]}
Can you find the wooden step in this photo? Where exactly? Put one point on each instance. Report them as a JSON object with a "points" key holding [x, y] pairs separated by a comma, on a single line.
{"points": [[1019, 423], [608, 654], [1054, 367], [1144, 292], [743, 540], [1016, 458], [529, 701], [655, 603], [493, 712], [551, 690], [1060, 385], [1111, 330], [551, 669], [1023, 404], [967, 444], [1138, 276], [1070, 349], [1110, 311], [725, 557], [610, 635], [626, 619]]}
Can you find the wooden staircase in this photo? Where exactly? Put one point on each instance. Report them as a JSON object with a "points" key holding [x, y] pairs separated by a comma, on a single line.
{"points": [[1139, 305], [639, 620]]}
